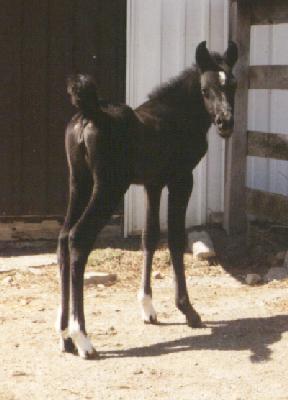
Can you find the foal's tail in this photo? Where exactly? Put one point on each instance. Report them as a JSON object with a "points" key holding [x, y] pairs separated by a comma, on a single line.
{"points": [[83, 92]]}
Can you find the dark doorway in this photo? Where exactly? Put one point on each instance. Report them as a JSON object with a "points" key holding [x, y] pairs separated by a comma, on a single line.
{"points": [[41, 43]]}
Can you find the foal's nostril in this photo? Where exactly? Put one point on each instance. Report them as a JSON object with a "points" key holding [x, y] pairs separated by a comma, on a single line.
{"points": [[224, 123], [218, 121]]}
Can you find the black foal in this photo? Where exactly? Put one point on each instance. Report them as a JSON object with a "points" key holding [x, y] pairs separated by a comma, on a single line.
{"points": [[158, 144]]}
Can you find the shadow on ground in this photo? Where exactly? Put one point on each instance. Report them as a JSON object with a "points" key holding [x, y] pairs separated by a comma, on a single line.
{"points": [[251, 252], [253, 334]]}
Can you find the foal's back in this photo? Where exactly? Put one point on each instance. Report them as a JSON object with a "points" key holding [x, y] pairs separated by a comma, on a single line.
{"points": [[169, 135]]}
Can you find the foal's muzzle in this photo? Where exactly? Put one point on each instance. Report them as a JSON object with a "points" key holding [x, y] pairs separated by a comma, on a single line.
{"points": [[224, 125]]}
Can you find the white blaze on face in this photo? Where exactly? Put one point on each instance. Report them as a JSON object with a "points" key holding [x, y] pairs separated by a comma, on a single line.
{"points": [[222, 77]]}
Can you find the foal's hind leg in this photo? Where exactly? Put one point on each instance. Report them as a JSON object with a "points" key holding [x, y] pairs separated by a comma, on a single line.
{"points": [[81, 239], [150, 240], [79, 195], [179, 194]]}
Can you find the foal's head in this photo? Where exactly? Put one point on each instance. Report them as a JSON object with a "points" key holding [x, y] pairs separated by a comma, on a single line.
{"points": [[218, 85], [83, 92]]}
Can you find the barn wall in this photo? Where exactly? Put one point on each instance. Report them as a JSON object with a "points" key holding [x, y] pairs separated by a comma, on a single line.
{"points": [[267, 109], [42, 42], [162, 36]]}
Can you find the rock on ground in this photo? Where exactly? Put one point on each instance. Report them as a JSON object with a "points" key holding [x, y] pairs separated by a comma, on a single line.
{"points": [[253, 279], [276, 273], [157, 275], [200, 243], [99, 278]]}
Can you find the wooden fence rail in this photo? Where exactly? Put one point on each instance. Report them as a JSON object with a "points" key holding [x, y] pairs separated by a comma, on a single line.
{"points": [[270, 206]]}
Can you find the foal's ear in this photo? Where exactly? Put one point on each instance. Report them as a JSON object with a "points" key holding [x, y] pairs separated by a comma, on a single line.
{"points": [[231, 54], [203, 58]]}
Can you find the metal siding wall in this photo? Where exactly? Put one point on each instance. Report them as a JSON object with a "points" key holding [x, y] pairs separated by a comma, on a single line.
{"points": [[162, 36], [267, 109], [143, 74]]}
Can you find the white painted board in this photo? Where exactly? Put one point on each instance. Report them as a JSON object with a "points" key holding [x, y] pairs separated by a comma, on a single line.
{"points": [[267, 109]]}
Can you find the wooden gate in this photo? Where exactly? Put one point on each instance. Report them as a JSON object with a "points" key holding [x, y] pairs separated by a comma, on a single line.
{"points": [[238, 200], [41, 43]]}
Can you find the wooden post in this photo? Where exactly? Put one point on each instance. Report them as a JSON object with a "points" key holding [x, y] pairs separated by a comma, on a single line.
{"points": [[235, 220]]}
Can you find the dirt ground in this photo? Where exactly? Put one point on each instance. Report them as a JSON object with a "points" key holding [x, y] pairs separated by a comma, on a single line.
{"points": [[241, 354]]}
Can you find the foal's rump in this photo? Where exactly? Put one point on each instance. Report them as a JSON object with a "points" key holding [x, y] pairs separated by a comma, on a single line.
{"points": [[102, 131]]}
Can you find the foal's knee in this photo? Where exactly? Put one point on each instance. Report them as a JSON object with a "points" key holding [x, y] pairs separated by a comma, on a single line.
{"points": [[79, 249], [81, 240], [72, 238], [75, 240]]}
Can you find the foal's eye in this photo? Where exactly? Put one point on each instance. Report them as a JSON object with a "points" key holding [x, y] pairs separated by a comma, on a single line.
{"points": [[205, 92]]}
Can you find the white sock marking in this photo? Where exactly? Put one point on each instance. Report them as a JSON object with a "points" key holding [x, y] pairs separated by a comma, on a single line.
{"points": [[58, 320], [147, 309], [63, 333], [222, 77], [81, 341]]}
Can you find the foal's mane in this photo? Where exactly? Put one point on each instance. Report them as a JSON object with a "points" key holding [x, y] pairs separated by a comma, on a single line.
{"points": [[178, 86], [185, 84]]}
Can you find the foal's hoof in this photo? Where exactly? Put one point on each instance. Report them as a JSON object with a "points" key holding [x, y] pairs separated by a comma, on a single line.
{"points": [[67, 346], [194, 320], [149, 315], [152, 320], [89, 355], [83, 345]]}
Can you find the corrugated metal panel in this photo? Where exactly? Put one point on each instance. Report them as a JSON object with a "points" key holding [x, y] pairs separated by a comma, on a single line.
{"points": [[267, 109], [162, 36]]}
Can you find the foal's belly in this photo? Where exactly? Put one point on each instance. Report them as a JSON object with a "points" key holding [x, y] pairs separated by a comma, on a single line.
{"points": [[149, 168], [158, 155], [159, 166]]}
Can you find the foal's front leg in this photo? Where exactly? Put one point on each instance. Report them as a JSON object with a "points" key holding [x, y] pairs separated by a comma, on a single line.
{"points": [[150, 238], [179, 194]]}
